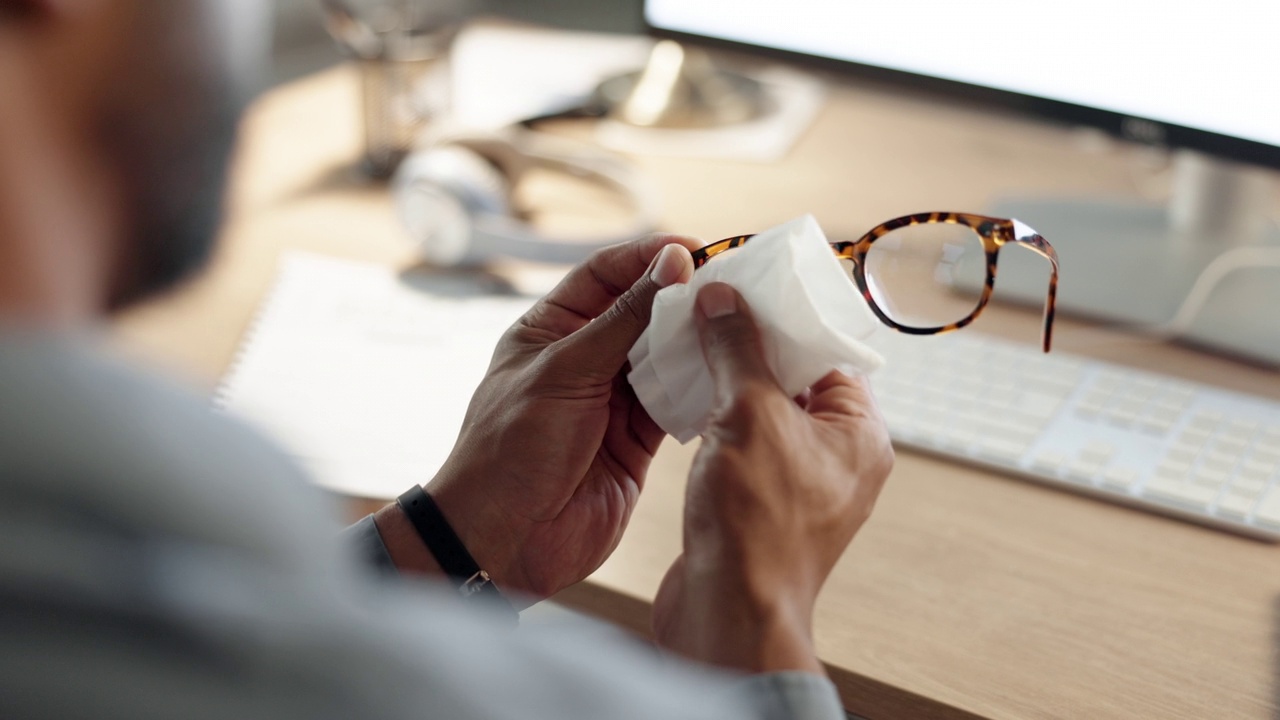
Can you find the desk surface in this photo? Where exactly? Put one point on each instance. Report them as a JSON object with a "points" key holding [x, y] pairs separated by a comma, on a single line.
{"points": [[968, 594]]}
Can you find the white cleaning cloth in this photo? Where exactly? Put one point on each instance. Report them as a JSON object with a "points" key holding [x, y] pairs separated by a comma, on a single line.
{"points": [[811, 317]]}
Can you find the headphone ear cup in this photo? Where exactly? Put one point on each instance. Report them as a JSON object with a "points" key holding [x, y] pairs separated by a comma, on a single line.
{"points": [[440, 192]]}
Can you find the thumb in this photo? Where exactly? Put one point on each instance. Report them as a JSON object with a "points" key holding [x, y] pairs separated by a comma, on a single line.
{"points": [[602, 346], [731, 342]]}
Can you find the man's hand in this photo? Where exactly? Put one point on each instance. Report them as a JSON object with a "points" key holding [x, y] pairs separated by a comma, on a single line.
{"points": [[777, 491], [554, 449]]}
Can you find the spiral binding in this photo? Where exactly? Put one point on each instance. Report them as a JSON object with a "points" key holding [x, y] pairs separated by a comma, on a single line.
{"points": [[222, 394]]}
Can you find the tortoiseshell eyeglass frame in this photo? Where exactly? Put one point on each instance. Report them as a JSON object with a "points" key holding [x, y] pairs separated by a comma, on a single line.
{"points": [[994, 232]]}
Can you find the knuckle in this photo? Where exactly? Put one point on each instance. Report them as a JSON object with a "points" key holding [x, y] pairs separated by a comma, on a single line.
{"points": [[609, 251], [874, 460], [551, 357], [885, 444], [862, 511], [550, 367], [599, 256], [750, 415], [733, 332], [742, 409], [888, 457], [763, 394], [631, 308]]}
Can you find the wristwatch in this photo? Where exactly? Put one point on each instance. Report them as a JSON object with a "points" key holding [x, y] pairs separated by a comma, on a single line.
{"points": [[472, 582]]}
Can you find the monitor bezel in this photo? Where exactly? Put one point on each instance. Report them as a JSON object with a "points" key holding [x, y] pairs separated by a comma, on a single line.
{"points": [[1128, 127]]}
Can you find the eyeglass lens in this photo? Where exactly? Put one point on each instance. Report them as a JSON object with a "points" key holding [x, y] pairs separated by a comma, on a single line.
{"points": [[927, 276]]}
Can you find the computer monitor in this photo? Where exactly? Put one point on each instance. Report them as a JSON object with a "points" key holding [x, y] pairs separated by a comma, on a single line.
{"points": [[1202, 77]]}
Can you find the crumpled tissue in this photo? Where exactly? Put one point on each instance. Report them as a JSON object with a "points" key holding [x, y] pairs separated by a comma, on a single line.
{"points": [[811, 316]]}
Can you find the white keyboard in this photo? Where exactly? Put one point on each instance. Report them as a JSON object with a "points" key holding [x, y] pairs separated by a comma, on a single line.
{"points": [[1137, 438]]}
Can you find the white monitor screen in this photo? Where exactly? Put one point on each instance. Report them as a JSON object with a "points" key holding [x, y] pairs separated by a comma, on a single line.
{"points": [[1212, 66]]}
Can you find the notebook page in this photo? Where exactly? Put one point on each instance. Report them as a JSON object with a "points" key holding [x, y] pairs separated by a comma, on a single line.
{"points": [[362, 375]]}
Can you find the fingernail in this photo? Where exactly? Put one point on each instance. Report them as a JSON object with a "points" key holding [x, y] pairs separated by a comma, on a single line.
{"points": [[667, 267], [717, 300]]}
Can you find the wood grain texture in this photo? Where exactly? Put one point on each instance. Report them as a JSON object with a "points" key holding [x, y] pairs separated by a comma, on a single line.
{"points": [[969, 594]]}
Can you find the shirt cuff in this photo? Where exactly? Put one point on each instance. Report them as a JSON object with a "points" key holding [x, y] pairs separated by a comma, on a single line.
{"points": [[366, 541], [794, 696]]}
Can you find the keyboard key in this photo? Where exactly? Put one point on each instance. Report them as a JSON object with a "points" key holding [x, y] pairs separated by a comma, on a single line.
{"points": [[1001, 450], [1099, 452], [1088, 410], [1194, 437], [1267, 455], [1173, 470], [1236, 506], [1131, 405], [1217, 460], [1143, 390], [1156, 425], [1109, 382], [888, 402], [1096, 398], [896, 419], [1024, 437], [1248, 485], [1083, 471], [1253, 468], [1049, 461], [958, 438], [930, 428], [1208, 419], [1174, 400], [1122, 418], [1232, 445], [1039, 406], [1120, 477], [1242, 428], [1210, 478], [1187, 495], [1267, 442], [1268, 511], [1046, 385]]}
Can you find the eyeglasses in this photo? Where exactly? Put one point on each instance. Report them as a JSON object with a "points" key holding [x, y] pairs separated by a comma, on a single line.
{"points": [[925, 274]]}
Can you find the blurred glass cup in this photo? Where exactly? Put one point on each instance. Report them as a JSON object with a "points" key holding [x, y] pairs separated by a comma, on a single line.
{"points": [[399, 47]]}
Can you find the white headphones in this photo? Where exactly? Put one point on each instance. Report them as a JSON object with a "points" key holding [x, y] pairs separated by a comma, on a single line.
{"points": [[455, 197]]}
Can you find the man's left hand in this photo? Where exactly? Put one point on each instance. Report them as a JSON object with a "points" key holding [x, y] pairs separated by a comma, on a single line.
{"points": [[554, 448]]}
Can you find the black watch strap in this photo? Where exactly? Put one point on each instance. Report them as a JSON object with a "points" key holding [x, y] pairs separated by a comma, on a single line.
{"points": [[447, 547]]}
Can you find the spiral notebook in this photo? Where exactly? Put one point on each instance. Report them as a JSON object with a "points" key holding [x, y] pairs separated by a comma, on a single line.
{"points": [[364, 374]]}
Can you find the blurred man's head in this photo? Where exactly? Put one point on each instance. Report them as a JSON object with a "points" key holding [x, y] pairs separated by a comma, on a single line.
{"points": [[135, 102]]}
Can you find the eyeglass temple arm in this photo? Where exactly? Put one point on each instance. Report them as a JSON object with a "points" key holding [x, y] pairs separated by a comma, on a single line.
{"points": [[1041, 247]]}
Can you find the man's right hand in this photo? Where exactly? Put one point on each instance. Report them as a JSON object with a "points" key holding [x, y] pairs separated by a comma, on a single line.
{"points": [[777, 491]]}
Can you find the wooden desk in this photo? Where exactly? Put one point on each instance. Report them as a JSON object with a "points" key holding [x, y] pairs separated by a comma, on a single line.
{"points": [[968, 594]]}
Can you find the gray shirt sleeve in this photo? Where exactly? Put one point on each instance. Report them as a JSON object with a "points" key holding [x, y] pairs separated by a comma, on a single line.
{"points": [[366, 542], [158, 561], [771, 696], [797, 695]]}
